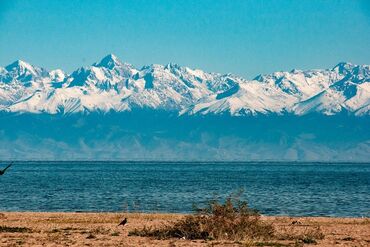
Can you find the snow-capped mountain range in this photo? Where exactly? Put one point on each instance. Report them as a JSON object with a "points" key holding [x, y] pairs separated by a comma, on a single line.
{"points": [[111, 85]]}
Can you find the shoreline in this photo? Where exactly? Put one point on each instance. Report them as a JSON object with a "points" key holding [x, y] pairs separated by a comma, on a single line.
{"points": [[101, 229], [160, 213]]}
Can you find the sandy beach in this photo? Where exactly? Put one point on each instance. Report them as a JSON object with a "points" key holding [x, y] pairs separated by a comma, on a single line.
{"points": [[101, 229]]}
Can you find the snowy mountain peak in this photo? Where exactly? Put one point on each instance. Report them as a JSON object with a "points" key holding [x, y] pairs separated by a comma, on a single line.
{"points": [[23, 72], [20, 66], [111, 85], [57, 75], [172, 66], [110, 61], [343, 67]]}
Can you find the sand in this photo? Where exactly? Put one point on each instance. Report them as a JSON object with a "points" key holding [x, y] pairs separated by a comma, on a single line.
{"points": [[101, 229]]}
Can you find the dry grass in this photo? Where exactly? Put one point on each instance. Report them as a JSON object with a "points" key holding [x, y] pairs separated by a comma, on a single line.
{"points": [[300, 234], [231, 220], [74, 229]]}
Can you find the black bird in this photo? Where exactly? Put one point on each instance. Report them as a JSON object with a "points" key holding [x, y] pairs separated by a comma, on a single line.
{"points": [[296, 222], [3, 171], [123, 222]]}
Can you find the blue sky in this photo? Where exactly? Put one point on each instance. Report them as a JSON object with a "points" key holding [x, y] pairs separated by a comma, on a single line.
{"points": [[243, 37]]}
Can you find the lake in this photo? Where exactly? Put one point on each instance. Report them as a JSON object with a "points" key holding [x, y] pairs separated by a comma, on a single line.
{"points": [[274, 188]]}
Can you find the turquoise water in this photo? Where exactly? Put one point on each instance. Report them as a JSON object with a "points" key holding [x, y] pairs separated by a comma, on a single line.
{"points": [[309, 189]]}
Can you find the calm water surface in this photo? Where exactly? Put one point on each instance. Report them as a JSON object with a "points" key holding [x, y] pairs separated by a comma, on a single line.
{"points": [[273, 188]]}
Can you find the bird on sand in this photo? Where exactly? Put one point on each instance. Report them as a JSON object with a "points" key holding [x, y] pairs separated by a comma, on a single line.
{"points": [[3, 171], [123, 222], [296, 222]]}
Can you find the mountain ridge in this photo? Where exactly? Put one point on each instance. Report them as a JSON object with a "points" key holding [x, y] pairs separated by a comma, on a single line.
{"points": [[112, 85]]}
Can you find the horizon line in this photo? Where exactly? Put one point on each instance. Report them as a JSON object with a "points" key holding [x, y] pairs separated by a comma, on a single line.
{"points": [[191, 161]]}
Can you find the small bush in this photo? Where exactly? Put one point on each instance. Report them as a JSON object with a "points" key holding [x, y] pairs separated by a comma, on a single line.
{"points": [[274, 244], [348, 239], [232, 220], [14, 229], [310, 236]]}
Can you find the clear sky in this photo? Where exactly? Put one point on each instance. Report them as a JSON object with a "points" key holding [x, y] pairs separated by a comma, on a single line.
{"points": [[243, 37]]}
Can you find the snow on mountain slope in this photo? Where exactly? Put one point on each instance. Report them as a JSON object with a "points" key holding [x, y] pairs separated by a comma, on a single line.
{"points": [[350, 93], [301, 84], [247, 98], [111, 85], [360, 103]]}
